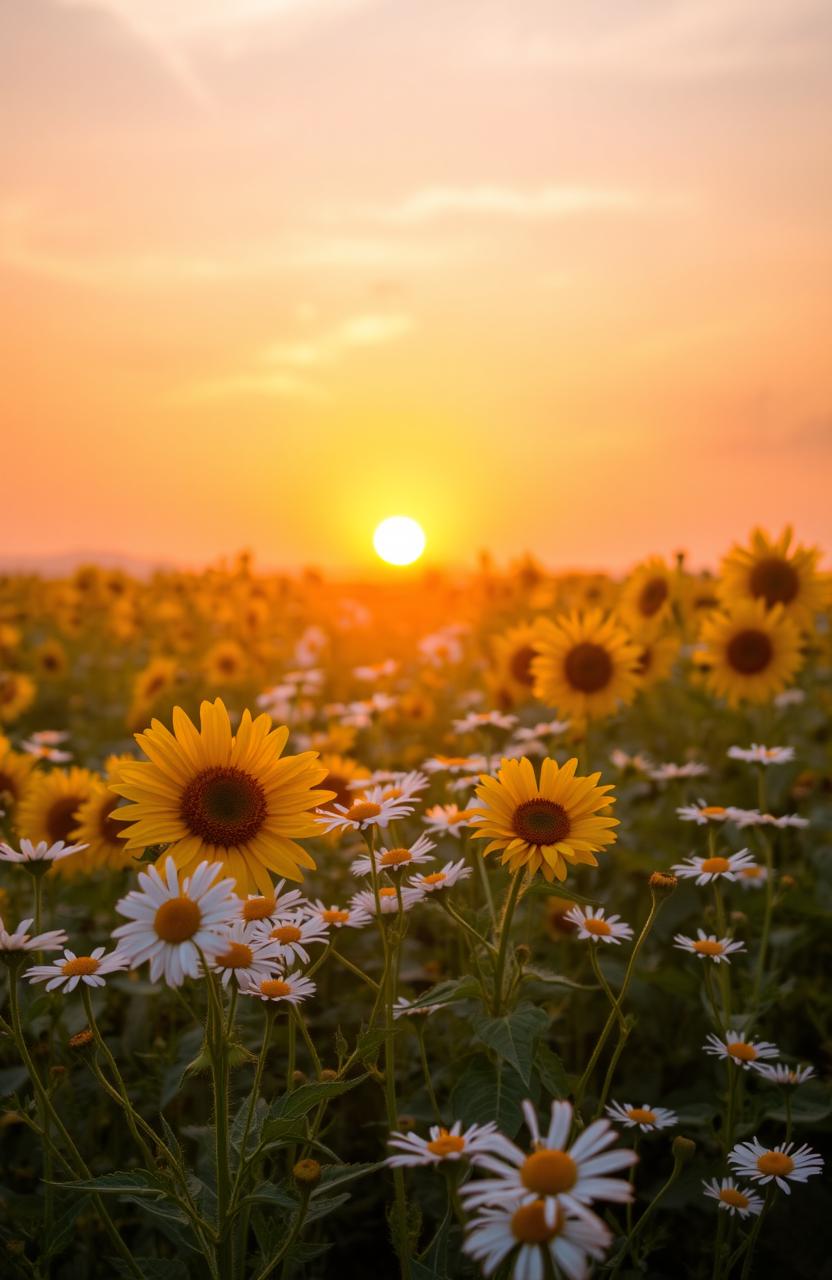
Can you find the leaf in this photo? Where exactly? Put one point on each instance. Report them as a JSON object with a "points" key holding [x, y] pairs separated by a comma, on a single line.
{"points": [[335, 1175], [484, 1092], [513, 1036], [261, 1110], [271, 1194], [811, 1103], [549, 978], [444, 993], [551, 1070], [320, 1208], [135, 1184], [298, 1103], [542, 889]]}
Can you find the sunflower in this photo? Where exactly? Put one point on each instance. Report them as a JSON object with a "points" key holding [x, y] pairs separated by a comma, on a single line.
{"points": [[586, 665], [222, 797], [17, 693], [340, 772], [50, 660], [658, 648], [749, 653], [769, 571], [547, 825], [647, 595], [224, 663], [514, 653], [98, 830], [158, 677], [50, 804], [15, 768]]}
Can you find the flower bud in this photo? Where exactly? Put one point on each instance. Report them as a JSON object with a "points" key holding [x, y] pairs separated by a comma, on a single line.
{"points": [[81, 1039], [299, 1077], [662, 883], [307, 1173], [683, 1149], [328, 1074]]}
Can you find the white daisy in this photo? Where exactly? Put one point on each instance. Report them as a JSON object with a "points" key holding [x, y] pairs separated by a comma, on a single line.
{"points": [[403, 786], [704, 870], [571, 1241], [758, 754], [779, 1073], [740, 1050], [397, 858], [403, 1008], [169, 924], [783, 1163], [482, 719], [753, 877], [451, 874], [456, 764], [44, 752], [290, 988], [716, 949], [294, 933], [49, 737], [334, 917], [638, 763], [754, 818], [646, 1117], [594, 926], [733, 1198], [67, 973], [365, 900], [567, 1177], [540, 731], [377, 670], [443, 1144], [790, 698], [19, 940], [369, 810], [448, 818], [670, 772], [41, 852], [248, 952], [267, 907], [702, 813]]}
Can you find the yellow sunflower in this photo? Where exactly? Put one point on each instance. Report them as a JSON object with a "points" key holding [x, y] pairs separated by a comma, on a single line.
{"points": [[514, 653], [156, 679], [547, 825], [647, 595], [225, 663], [15, 769], [50, 804], [658, 648], [50, 660], [749, 653], [769, 571], [586, 665], [17, 693], [222, 797], [97, 829], [340, 772]]}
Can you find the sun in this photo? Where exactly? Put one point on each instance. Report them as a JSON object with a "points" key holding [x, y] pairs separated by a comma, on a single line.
{"points": [[399, 540]]}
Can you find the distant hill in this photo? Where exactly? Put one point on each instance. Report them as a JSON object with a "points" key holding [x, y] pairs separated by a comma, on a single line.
{"points": [[61, 563]]}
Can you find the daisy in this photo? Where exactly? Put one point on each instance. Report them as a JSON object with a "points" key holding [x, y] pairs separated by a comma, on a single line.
{"points": [[594, 927], [753, 877], [248, 953], [365, 901], [400, 786], [540, 731], [702, 813], [733, 1198], [369, 810], [670, 772], [43, 851], [648, 1118], [67, 973], [451, 873], [267, 906], [737, 1048], [19, 940], [754, 818], [758, 754], [716, 949], [790, 698], [482, 719], [289, 987], [456, 764], [49, 737], [334, 917], [404, 1008], [44, 752], [170, 923], [395, 859], [376, 671], [294, 933], [779, 1073], [443, 1144], [638, 763], [717, 868], [561, 1178], [570, 1240], [448, 818], [782, 1163]]}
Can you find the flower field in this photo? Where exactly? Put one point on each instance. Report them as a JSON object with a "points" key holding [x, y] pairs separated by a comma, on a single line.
{"points": [[435, 927]]}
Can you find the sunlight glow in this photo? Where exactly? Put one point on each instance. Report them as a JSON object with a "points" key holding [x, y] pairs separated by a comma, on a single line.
{"points": [[399, 540]]}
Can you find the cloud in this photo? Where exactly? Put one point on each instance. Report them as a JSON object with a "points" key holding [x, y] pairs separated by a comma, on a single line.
{"points": [[491, 201]]}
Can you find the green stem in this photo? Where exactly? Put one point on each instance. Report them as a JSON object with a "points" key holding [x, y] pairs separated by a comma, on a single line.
{"points": [[648, 1212], [751, 1243], [423, 1058], [760, 967], [505, 932]]}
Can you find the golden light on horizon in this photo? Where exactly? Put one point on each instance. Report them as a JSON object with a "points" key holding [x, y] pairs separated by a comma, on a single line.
{"points": [[399, 540]]}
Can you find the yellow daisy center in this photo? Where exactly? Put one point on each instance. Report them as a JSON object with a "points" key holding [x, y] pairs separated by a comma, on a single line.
{"points": [[751, 873], [652, 596], [593, 924], [363, 809], [713, 810], [446, 1144], [739, 1049], [529, 1225], [736, 1198], [774, 580], [333, 916], [224, 806], [776, 1163], [714, 866], [520, 665], [272, 987], [588, 667], [395, 857], [259, 908], [238, 956], [435, 877], [549, 1172], [287, 933], [707, 948], [177, 919], [541, 821], [749, 651], [80, 967], [641, 1115], [387, 893]]}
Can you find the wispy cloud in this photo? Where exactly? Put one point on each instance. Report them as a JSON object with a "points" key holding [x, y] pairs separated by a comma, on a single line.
{"points": [[495, 201]]}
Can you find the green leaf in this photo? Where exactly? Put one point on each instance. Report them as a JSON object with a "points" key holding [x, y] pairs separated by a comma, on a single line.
{"points": [[335, 1175], [549, 978], [551, 1070], [513, 1036], [298, 1103], [270, 1193], [811, 1103], [465, 988], [138, 1183], [487, 1092], [542, 889]]}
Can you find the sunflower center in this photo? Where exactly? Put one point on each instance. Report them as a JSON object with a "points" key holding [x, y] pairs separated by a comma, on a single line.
{"points": [[238, 956], [739, 1049], [715, 866], [652, 597], [80, 967], [395, 857], [644, 661], [594, 924], [258, 908], [774, 580], [541, 822], [707, 948], [273, 987], [287, 933], [340, 785], [435, 878], [588, 667], [521, 665], [549, 1172], [60, 820], [333, 916], [112, 831], [750, 651], [529, 1225], [224, 806], [177, 919], [736, 1198], [775, 1162], [641, 1115], [446, 1144], [361, 810]]}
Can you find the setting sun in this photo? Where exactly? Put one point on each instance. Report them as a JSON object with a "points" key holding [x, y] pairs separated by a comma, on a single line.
{"points": [[399, 540]]}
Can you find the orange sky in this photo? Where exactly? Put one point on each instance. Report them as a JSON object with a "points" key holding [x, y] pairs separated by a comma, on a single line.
{"points": [[542, 275]]}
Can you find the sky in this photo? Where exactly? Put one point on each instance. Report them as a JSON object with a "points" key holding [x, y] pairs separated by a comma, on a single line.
{"points": [[545, 276]]}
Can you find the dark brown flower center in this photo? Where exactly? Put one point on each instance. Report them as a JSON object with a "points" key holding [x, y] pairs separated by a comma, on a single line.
{"points": [[61, 820], [588, 667], [652, 596], [521, 665], [341, 786], [111, 830], [224, 806], [749, 652], [774, 580], [644, 661], [541, 822]]}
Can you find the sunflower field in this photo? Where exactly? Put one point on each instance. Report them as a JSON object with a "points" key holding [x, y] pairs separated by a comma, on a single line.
{"points": [[443, 926]]}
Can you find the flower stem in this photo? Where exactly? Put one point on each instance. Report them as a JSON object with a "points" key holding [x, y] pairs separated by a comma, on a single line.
{"points": [[505, 932]]}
